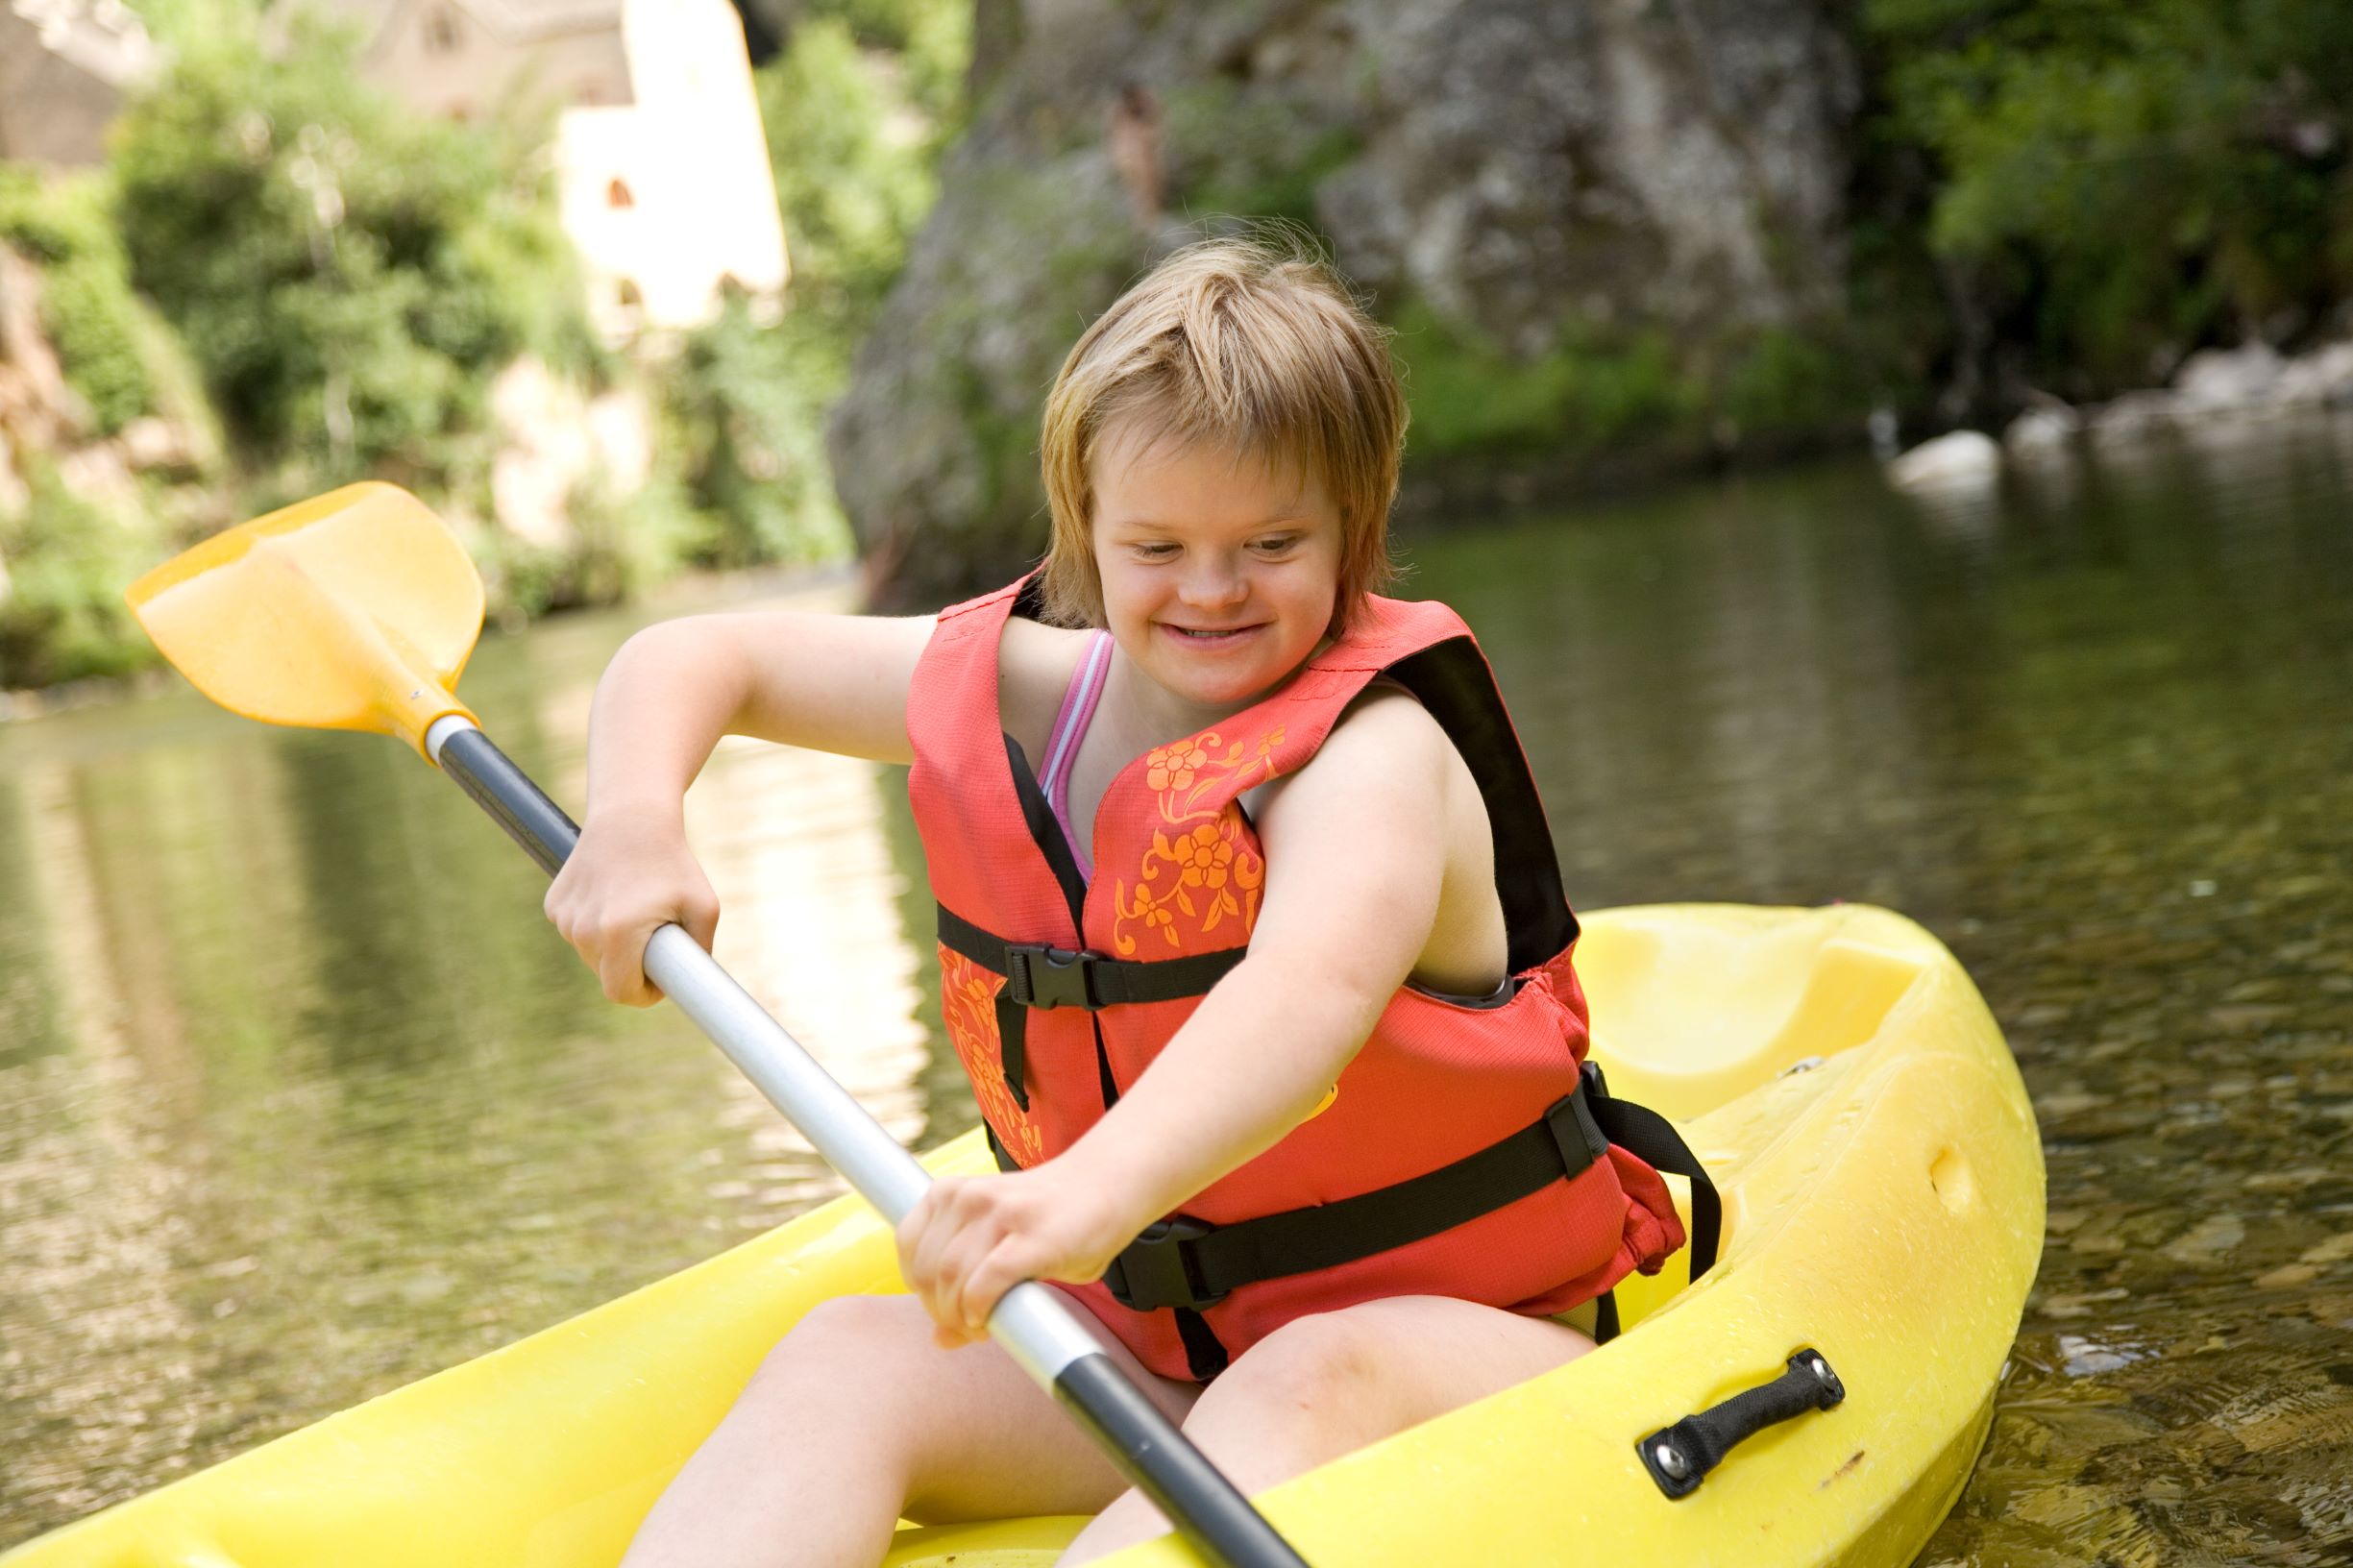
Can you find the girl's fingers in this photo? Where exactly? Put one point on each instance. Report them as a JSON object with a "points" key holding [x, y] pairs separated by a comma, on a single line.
{"points": [[619, 885], [959, 1253], [923, 1233], [621, 967], [699, 916], [609, 976], [969, 1247], [963, 1322], [634, 944], [997, 1273], [925, 1237]]}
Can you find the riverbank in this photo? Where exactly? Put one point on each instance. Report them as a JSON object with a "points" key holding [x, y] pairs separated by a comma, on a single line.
{"points": [[2252, 382]]}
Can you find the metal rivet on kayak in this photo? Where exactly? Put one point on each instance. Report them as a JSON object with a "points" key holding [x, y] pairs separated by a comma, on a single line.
{"points": [[1671, 1460]]}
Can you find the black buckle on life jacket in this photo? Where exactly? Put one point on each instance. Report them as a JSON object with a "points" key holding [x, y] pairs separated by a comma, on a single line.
{"points": [[1580, 1137], [1158, 1269], [1040, 976]]}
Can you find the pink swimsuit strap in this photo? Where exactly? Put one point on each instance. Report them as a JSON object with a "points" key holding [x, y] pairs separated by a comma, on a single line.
{"points": [[1078, 705]]}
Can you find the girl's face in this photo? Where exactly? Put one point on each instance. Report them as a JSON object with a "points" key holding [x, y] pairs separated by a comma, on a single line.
{"points": [[1219, 576]]}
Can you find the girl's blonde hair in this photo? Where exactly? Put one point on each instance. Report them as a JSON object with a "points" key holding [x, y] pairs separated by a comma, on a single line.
{"points": [[1249, 345]]}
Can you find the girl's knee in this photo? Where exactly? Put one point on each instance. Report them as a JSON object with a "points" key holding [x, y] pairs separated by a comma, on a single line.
{"points": [[841, 1381], [848, 1340], [1323, 1367]]}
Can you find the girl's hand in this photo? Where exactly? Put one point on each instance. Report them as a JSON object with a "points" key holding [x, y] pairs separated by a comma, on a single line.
{"points": [[972, 1239], [630, 873]]}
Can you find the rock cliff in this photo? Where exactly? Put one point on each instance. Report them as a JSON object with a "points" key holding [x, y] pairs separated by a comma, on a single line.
{"points": [[1602, 228]]}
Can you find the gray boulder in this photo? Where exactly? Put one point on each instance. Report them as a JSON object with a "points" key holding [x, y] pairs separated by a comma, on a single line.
{"points": [[1537, 189]]}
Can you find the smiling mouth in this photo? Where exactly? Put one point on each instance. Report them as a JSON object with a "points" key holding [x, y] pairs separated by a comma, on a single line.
{"points": [[1199, 635]]}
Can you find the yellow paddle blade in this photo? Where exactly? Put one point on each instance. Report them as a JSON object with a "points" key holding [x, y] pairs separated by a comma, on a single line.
{"points": [[355, 610]]}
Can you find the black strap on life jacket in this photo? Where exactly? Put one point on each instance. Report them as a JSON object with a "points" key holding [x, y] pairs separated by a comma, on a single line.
{"points": [[1189, 1263], [1036, 975], [1185, 1264], [1652, 1139]]}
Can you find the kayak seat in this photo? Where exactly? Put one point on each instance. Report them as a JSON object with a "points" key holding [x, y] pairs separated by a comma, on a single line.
{"points": [[1690, 1014]]}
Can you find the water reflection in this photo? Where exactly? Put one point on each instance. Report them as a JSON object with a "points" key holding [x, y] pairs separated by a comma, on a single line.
{"points": [[1723, 690], [299, 1099], [808, 889]]}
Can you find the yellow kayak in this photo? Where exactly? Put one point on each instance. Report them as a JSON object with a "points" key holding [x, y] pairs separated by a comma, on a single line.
{"points": [[1834, 1069]]}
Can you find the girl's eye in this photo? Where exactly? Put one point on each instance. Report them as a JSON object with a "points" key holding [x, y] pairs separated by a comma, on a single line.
{"points": [[1155, 552], [1276, 545]]}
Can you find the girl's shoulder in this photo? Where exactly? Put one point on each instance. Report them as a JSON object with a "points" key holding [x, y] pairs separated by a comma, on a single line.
{"points": [[1034, 663], [1384, 738]]}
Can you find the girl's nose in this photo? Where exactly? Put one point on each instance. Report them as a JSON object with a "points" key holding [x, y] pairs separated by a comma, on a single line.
{"points": [[1212, 584]]}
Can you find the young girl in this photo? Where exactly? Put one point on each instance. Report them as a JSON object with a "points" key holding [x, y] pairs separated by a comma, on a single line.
{"points": [[1250, 924]]}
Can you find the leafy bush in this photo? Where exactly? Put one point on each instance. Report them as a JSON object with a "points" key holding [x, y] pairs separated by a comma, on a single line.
{"points": [[621, 544], [86, 304], [926, 45], [854, 176], [1783, 380], [856, 110], [62, 616], [2110, 181], [348, 276], [1469, 396], [746, 408]]}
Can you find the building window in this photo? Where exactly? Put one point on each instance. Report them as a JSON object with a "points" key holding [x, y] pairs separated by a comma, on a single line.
{"points": [[630, 297], [441, 32], [617, 194]]}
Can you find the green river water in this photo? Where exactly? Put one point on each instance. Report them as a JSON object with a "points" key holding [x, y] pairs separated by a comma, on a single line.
{"points": [[299, 1099]]}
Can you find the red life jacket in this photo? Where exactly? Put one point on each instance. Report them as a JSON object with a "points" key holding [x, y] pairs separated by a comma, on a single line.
{"points": [[1462, 1152]]}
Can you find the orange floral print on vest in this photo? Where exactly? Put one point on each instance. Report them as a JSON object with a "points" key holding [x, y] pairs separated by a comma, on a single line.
{"points": [[968, 1006], [1207, 871]]}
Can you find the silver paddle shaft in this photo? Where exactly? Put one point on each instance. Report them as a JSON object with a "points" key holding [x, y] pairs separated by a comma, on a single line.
{"points": [[1031, 1321]]}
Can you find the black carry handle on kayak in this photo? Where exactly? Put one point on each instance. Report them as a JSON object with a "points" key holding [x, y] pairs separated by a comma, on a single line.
{"points": [[1680, 1457]]}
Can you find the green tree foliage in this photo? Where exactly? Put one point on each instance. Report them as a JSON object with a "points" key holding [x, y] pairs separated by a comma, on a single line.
{"points": [[62, 616], [926, 45], [88, 307], [348, 276], [857, 109], [182, 24], [2113, 181], [854, 156], [745, 412]]}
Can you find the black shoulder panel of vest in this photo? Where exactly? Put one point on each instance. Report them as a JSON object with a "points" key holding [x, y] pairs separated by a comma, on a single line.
{"points": [[1452, 681], [1037, 815]]}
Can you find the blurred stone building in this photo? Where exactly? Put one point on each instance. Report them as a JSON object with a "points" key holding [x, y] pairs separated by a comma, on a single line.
{"points": [[64, 66], [662, 162]]}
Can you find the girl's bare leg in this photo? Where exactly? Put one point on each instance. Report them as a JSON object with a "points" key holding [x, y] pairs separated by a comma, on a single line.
{"points": [[1326, 1385], [857, 1419]]}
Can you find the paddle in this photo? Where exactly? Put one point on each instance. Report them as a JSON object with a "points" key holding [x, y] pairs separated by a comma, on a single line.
{"points": [[357, 610]]}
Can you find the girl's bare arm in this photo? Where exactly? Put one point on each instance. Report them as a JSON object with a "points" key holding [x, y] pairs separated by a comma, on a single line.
{"points": [[1356, 851], [830, 682], [1356, 856]]}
